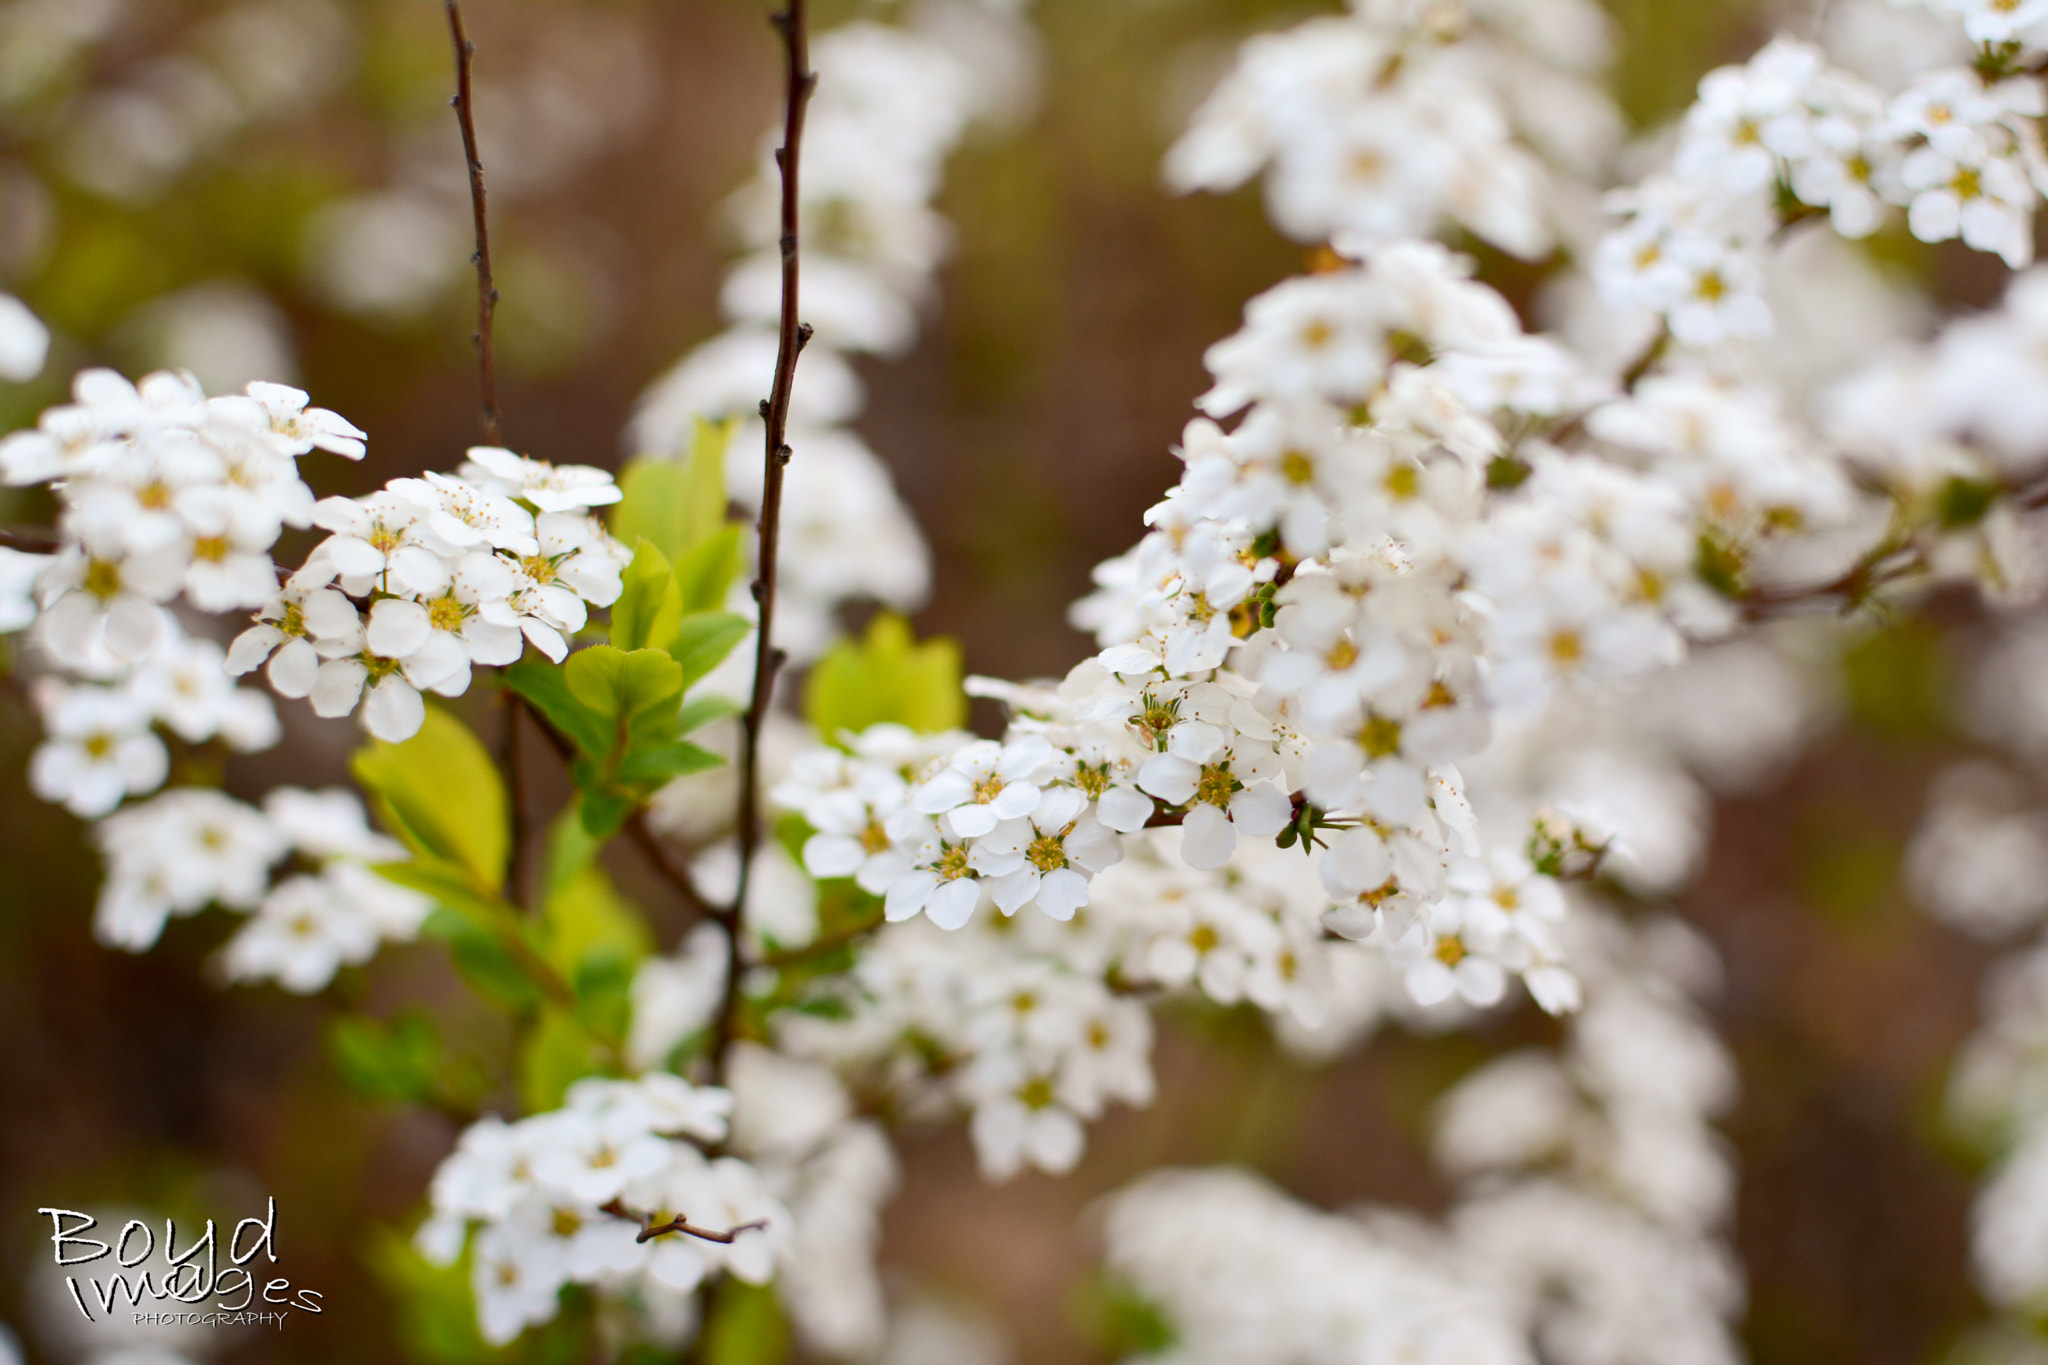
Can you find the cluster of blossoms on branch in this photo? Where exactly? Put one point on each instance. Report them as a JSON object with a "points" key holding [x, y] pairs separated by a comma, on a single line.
{"points": [[1421, 667]]}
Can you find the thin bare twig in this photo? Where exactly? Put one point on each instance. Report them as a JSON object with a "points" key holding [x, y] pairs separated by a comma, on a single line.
{"points": [[649, 1229], [800, 81], [486, 292]]}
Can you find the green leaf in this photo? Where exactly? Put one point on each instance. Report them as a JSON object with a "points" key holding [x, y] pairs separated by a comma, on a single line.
{"points": [[554, 1053], [394, 1061], [571, 849], [886, 676], [587, 918], [704, 576], [700, 711], [483, 960], [630, 690], [745, 1326], [439, 792], [703, 639], [604, 813], [648, 609], [434, 1315], [546, 685], [676, 504], [659, 763]]}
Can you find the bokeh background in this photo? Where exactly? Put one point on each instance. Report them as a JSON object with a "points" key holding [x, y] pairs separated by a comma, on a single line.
{"points": [[275, 188]]}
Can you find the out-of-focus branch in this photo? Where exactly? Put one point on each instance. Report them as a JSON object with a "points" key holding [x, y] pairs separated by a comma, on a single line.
{"points": [[486, 292], [799, 82], [35, 540]]}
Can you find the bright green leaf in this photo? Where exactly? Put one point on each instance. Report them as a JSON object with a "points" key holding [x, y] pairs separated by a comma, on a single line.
{"points": [[605, 813], [483, 960], [571, 849], [546, 685], [588, 917], [700, 711], [555, 1052], [439, 791], [648, 609], [745, 1326], [659, 763], [628, 690], [703, 639], [676, 504], [434, 1315], [704, 576], [886, 676]]}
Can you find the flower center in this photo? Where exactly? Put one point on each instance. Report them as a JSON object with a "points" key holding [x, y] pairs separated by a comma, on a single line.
{"points": [[951, 864], [445, 613], [212, 549], [1450, 950], [1380, 736], [1297, 468], [1092, 779], [103, 578], [1216, 784], [1046, 853]]}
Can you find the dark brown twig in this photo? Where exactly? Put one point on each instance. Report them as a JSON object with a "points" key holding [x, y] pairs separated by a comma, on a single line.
{"points": [[649, 1229], [486, 292], [800, 80], [35, 540]]}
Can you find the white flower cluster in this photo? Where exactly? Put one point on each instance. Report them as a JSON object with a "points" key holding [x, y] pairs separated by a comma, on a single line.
{"points": [[191, 847], [101, 743], [1402, 117], [892, 102], [1032, 1026], [1596, 1184], [538, 1191], [1787, 134], [164, 492], [429, 576], [1243, 1274]]}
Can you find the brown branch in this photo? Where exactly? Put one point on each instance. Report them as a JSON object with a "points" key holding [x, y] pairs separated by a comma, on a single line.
{"points": [[486, 292], [800, 80], [35, 540], [649, 1229]]}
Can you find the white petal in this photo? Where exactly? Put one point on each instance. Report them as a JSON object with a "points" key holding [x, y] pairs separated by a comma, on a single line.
{"points": [[294, 669], [394, 711], [1062, 893], [1124, 809], [1207, 838], [398, 628], [953, 904]]}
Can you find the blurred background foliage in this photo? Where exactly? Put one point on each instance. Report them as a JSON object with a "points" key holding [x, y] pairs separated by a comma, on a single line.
{"points": [[274, 188]]}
